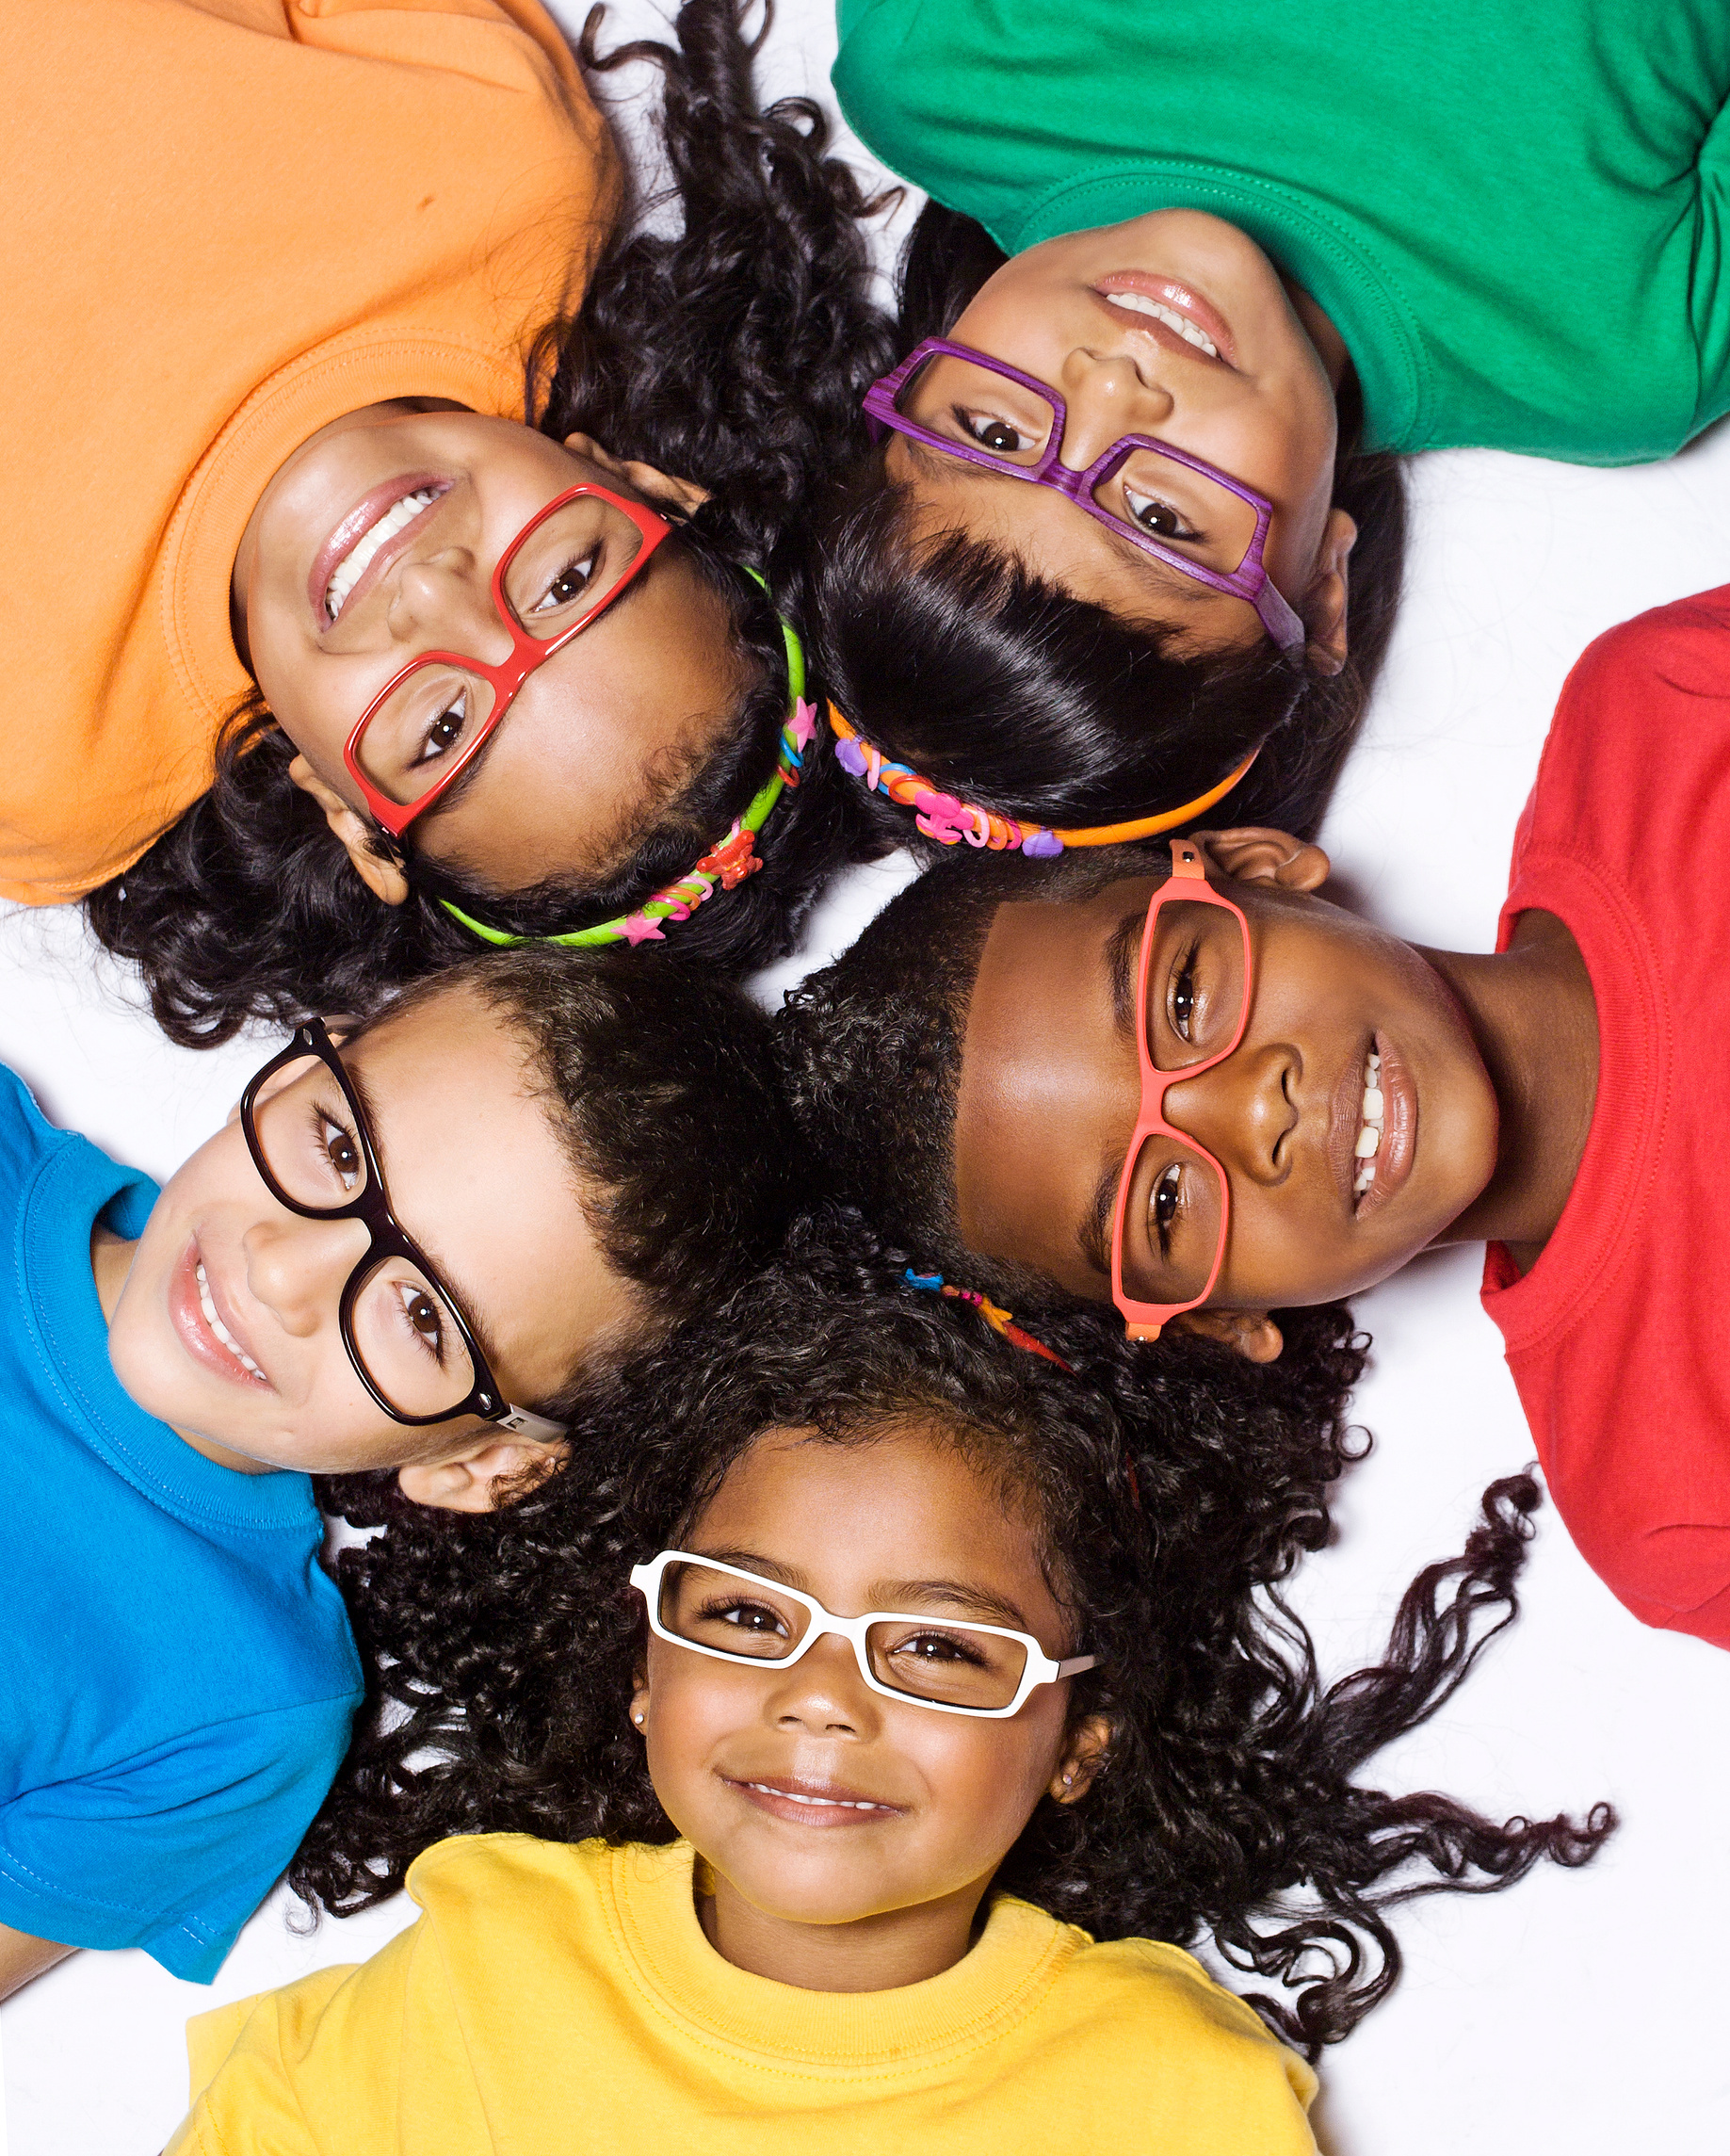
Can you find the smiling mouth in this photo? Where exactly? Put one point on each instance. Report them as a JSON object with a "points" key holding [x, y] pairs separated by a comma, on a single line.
{"points": [[1369, 1130], [1139, 304], [353, 563], [1378, 1101], [207, 1305], [204, 1333], [813, 1805], [1175, 307]]}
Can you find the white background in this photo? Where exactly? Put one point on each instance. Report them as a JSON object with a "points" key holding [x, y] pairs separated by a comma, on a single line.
{"points": [[1580, 2011]]}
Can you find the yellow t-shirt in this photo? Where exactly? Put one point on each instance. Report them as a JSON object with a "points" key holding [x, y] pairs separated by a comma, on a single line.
{"points": [[558, 1997], [226, 223]]}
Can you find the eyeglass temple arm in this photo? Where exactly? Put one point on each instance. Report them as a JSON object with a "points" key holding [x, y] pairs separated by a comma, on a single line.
{"points": [[524, 1422]]}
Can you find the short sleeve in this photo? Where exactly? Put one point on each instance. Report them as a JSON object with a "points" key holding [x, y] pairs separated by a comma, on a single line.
{"points": [[243, 2095], [314, 2069], [172, 1850]]}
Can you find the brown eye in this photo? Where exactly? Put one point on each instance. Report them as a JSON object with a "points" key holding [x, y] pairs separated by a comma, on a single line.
{"points": [[447, 729], [996, 435], [1183, 997], [1157, 516], [572, 581], [1163, 1203], [342, 1153], [424, 1317]]}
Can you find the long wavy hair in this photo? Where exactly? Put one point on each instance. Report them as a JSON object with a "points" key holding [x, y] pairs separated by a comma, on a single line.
{"points": [[733, 351], [1172, 1507], [994, 683]]}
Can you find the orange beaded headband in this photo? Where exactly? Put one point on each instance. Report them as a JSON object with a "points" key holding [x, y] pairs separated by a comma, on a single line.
{"points": [[941, 817]]}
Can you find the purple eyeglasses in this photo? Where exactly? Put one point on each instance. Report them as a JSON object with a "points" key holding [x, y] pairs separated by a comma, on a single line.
{"points": [[1214, 529]]}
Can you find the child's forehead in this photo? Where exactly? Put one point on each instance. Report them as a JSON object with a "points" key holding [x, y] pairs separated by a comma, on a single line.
{"points": [[891, 1501]]}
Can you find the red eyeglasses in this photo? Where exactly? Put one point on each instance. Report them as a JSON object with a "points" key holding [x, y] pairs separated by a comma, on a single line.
{"points": [[1173, 1204], [556, 577]]}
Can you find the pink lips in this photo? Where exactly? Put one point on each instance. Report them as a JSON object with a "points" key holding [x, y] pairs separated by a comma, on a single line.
{"points": [[1184, 300], [186, 1315], [352, 529], [811, 1804]]}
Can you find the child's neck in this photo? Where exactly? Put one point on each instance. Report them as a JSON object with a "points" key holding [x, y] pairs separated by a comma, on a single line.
{"points": [[1535, 1021], [873, 1954]]}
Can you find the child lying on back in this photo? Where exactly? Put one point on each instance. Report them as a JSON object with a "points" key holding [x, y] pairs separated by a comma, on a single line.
{"points": [[404, 1252], [1089, 1083], [880, 1712]]}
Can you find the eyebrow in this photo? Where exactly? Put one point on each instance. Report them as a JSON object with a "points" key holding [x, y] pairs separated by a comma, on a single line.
{"points": [[1093, 1230], [960, 1593], [446, 1278], [886, 1593], [460, 787]]}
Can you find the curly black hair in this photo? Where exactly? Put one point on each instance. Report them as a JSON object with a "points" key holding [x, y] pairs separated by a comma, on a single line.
{"points": [[1172, 1503], [733, 351], [999, 687]]}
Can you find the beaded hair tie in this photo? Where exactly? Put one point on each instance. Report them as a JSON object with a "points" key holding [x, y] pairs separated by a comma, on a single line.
{"points": [[998, 1320], [726, 864], [941, 817]]}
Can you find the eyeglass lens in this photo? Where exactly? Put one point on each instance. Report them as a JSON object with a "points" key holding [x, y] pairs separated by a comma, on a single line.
{"points": [[926, 1658], [401, 1323], [960, 400], [1197, 987], [563, 567]]}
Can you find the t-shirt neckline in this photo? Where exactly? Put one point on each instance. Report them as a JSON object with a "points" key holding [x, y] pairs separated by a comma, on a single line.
{"points": [[1005, 1974]]}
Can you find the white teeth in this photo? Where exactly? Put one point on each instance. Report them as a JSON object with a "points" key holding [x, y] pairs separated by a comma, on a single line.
{"points": [[1369, 1130], [352, 567], [794, 1796], [220, 1329], [1139, 304]]}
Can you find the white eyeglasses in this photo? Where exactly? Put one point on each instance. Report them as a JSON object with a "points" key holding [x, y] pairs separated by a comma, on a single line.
{"points": [[739, 1617]]}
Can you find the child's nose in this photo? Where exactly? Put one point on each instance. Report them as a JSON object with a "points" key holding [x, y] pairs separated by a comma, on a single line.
{"points": [[1240, 1110], [1107, 396], [296, 1269], [447, 601], [825, 1694]]}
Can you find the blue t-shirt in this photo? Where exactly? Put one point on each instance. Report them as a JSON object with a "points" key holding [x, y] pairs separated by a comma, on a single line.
{"points": [[178, 1675]]}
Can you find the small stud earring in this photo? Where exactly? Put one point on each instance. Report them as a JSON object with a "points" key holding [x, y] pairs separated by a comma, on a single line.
{"points": [[638, 1719], [1067, 1779]]}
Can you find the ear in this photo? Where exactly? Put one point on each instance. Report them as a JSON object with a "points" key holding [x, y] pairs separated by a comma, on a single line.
{"points": [[639, 1702], [494, 1469], [1324, 606], [1084, 1754], [658, 485], [383, 879], [1252, 1333], [1251, 854]]}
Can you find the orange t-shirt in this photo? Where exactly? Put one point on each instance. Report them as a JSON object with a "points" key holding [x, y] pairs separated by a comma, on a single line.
{"points": [[228, 223]]}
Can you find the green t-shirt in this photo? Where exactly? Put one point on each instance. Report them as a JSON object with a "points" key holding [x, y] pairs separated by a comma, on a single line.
{"points": [[1516, 211]]}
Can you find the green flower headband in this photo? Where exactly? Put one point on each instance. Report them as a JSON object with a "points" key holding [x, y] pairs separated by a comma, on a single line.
{"points": [[726, 865]]}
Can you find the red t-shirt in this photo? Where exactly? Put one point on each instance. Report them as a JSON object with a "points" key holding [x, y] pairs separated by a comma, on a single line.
{"points": [[1617, 1337]]}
